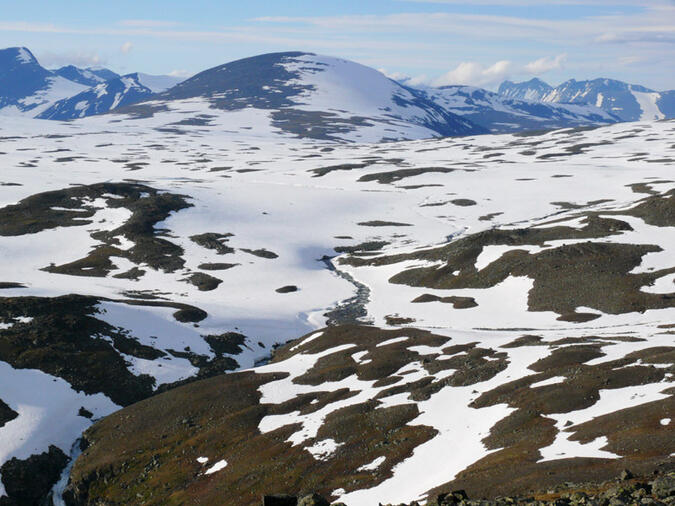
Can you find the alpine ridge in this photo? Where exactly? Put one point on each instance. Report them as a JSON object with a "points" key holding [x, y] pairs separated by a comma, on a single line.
{"points": [[27, 88], [304, 95], [500, 114], [629, 102], [104, 97]]}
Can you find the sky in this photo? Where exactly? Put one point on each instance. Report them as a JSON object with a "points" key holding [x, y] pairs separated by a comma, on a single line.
{"points": [[433, 42]]}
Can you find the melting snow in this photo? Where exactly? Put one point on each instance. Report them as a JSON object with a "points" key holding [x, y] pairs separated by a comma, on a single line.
{"points": [[322, 450], [392, 341], [372, 465], [550, 381], [647, 101], [221, 464]]}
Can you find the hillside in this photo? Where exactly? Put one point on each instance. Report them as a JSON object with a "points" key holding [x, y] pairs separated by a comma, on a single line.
{"points": [[317, 97], [312, 96]]}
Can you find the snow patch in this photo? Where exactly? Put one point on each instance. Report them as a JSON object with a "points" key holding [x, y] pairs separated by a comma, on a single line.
{"points": [[218, 466], [322, 450], [550, 381], [647, 102], [392, 341], [372, 465]]}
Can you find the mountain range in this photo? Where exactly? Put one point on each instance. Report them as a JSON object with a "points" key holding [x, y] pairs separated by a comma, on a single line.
{"points": [[29, 89], [501, 114], [629, 102], [26, 87], [322, 97], [90, 76], [99, 99]]}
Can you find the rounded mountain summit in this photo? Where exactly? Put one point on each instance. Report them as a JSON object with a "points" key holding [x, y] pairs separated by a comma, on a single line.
{"points": [[315, 96]]}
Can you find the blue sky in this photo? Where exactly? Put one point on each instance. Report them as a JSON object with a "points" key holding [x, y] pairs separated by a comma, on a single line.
{"points": [[434, 41]]}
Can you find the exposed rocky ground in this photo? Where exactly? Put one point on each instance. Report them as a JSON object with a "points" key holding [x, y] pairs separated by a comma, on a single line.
{"points": [[155, 432], [657, 490]]}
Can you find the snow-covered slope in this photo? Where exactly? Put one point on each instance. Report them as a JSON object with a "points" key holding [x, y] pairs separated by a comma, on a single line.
{"points": [[102, 98], [27, 88], [90, 76], [312, 96], [630, 102], [500, 115], [519, 290]]}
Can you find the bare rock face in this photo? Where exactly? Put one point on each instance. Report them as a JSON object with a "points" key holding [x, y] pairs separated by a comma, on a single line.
{"points": [[27, 482], [312, 500], [664, 486], [279, 500]]}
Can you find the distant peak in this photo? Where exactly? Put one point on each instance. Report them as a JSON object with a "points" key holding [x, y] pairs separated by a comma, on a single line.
{"points": [[536, 80], [21, 54], [534, 83]]}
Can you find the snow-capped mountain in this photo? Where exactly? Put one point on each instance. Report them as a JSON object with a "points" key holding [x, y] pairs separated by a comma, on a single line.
{"points": [[27, 88], [69, 92], [312, 96], [322, 97], [534, 89], [630, 102], [99, 99], [90, 76], [501, 115]]}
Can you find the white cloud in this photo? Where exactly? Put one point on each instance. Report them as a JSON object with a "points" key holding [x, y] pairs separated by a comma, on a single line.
{"points": [[661, 36], [79, 59], [629, 60], [23, 26], [420, 42], [546, 64], [126, 47], [417, 80], [475, 74], [396, 76], [179, 73], [147, 23], [647, 25]]}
